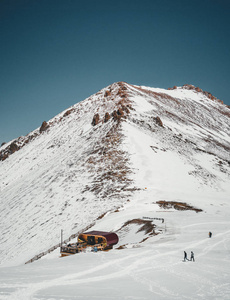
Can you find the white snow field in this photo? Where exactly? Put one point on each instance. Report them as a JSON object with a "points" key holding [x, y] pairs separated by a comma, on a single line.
{"points": [[151, 270], [111, 177]]}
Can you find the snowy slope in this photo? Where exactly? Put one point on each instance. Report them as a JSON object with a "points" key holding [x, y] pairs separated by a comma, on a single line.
{"points": [[61, 180], [170, 145], [150, 270]]}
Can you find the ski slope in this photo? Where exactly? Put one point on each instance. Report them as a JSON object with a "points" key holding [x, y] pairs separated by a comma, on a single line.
{"points": [[151, 270]]}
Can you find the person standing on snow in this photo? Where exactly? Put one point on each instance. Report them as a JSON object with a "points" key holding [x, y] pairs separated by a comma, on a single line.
{"points": [[192, 256], [185, 256]]}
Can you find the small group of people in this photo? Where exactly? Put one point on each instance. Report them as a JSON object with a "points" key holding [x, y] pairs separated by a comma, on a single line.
{"points": [[192, 254], [192, 258]]}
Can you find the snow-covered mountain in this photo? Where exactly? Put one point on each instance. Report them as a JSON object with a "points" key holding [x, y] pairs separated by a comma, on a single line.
{"points": [[114, 162]]}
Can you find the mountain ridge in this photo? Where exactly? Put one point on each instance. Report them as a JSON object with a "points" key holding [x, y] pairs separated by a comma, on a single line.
{"points": [[120, 144], [16, 144]]}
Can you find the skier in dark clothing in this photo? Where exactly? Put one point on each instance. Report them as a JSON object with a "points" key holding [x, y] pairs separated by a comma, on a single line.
{"points": [[192, 256], [185, 256], [210, 234]]}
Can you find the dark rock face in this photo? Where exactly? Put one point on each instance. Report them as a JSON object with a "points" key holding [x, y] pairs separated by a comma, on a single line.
{"points": [[96, 119], [173, 88], [13, 147], [3, 156], [107, 93], [107, 117], [44, 127], [120, 112], [68, 112], [158, 121], [115, 115]]}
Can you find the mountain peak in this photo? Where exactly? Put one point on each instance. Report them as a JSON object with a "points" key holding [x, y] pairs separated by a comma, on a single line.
{"points": [[123, 143], [113, 102]]}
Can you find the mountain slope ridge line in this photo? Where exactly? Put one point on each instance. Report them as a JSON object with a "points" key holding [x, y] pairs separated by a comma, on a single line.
{"points": [[145, 144]]}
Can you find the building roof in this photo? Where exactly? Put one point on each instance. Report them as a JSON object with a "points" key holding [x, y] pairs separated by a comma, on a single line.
{"points": [[111, 237]]}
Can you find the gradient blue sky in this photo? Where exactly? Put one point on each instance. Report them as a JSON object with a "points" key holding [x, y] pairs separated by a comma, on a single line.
{"points": [[55, 53]]}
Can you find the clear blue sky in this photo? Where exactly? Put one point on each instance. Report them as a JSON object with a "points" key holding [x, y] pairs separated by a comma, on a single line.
{"points": [[55, 53]]}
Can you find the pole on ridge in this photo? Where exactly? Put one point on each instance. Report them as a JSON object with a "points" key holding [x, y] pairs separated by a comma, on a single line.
{"points": [[61, 238]]}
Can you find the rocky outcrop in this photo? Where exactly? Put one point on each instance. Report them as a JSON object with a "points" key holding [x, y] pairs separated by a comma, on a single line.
{"points": [[43, 127], [118, 114], [107, 93], [115, 115], [20, 142], [3, 156], [173, 88], [125, 109], [122, 90], [96, 119], [13, 148], [158, 121], [68, 112], [107, 117]]}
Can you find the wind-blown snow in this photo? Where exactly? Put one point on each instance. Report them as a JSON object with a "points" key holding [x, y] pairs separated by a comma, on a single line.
{"points": [[71, 175]]}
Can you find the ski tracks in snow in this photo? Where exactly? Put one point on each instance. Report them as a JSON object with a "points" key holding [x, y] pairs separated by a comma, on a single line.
{"points": [[27, 292], [147, 268]]}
